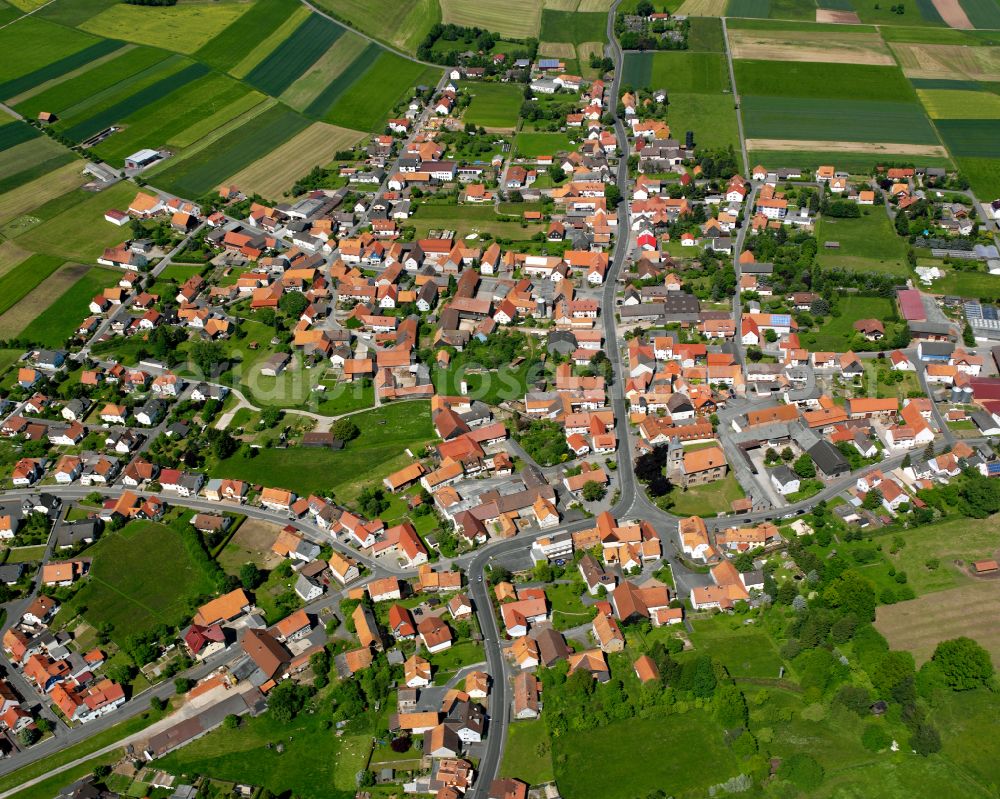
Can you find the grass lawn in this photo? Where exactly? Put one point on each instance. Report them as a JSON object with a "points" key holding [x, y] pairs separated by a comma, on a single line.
{"points": [[345, 397], [967, 721], [26, 554], [531, 145], [627, 758], [867, 244], [275, 588], [712, 117], [980, 285], [457, 656], [835, 334], [567, 609], [142, 576], [468, 219], [494, 105], [706, 500], [385, 433], [744, 651], [521, 758], [307, 768]]}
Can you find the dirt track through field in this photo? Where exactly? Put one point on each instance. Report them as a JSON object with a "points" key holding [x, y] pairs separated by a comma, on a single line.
{"points": [[953, 15], [920, 624], [846, 48], [806, 145]]}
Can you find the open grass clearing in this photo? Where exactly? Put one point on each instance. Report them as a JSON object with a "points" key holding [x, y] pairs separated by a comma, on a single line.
{"points": [[515, 19], [967, 284], [625, 758], [835, 334], [744, 652], [325, 71], [385, 433], [141, 576], [294, 18], [868, 243], [20, 201], [677, 71], [573, 26], [712, 117], [920, 624], [494, 105], [530, 144], [184, 27], [957, 62], [520, 754], [276, 172], [847, 48], [250, 544], [709, 499]]}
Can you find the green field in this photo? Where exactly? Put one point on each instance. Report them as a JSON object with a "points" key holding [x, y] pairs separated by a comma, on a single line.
{"points": [[141, 576], [960, 104], [531, 145], [921, 12], [30, 160], [967, 284], [202, 171], [868, 243], [983, 175], [226, 49], [309, 765], [750, 655], [815, 80], [712, 117], [573, 26], [680, 71], [54, 51], [295, 55], [835, 334], [855, 163], [520, 754], [20, 280], [385, 433], [494, 105], [709, 499], [971, 138], [749, 8], [351, 73], [391, 78], [160, 123], [60, 320], [836, 120], [79, 232], [106, 76], [401, 23], [136, 102], [982, 13], [626, 758], [705, 34]]}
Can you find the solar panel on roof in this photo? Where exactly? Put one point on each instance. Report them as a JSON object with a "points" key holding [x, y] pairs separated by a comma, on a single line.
{"points": [[781, 319]]}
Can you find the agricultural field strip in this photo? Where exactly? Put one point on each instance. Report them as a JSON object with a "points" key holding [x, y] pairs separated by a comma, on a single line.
{"points": [[330, 66], [227, 48], [268, 44], [31, 195], [847, 48], [73, 73], [517, 19], [295, 55], [11, 37], [46, 295], [351, 73]]}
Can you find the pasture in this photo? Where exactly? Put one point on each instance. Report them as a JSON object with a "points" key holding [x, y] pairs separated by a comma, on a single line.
{"points": [[868, 243], [711, 117], [90, 84], [183, 28], [520, 756], [971, 138], [494, 105], [142, 576], [812, 47], [573, 26], [983, 175], [835, 334], [29, 196], [745, 654], [227, 47], [951, 61], [207, 168], [513, 19], [677, 71], [835, 120], [531, 145], [276, 172], [325, 72], [960, 104], [365, 104], [705, 34], [920, 624], [401, 23], [295, 55]]}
